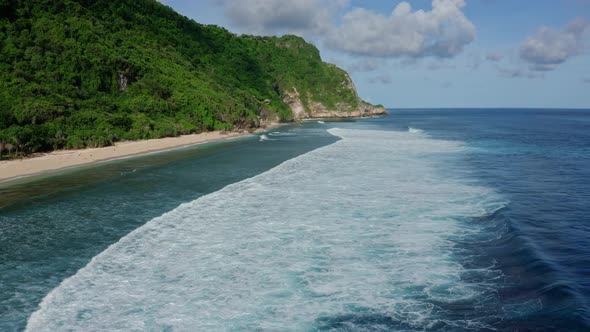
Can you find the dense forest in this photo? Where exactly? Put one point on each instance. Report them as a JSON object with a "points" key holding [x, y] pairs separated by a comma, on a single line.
{"points": [[87, 73]]}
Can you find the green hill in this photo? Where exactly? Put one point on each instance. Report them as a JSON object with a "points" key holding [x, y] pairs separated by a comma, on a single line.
{"points": [[88, 73]]}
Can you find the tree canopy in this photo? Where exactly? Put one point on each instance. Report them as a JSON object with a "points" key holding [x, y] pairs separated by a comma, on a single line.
{"points": [[87, 73]]}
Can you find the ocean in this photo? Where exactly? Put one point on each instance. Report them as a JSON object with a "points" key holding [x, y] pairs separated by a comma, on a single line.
{"points": [[422, 220]]}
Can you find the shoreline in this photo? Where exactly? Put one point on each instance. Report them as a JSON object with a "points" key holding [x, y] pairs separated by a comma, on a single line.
{"points": [[59, 160], [54, 161]]}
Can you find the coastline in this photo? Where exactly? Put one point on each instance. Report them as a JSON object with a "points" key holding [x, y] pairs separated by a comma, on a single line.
{"points": [[54, 161], [46, 163]]}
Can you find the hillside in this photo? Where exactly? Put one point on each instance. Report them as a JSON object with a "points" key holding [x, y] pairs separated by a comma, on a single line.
{"points": [[88, 73]]}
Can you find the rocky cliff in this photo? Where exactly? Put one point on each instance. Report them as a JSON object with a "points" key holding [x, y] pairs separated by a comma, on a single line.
{"points": [[305, 107]]}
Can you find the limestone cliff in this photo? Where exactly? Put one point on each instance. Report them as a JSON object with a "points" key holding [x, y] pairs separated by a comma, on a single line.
{"points": [[305, 107]]}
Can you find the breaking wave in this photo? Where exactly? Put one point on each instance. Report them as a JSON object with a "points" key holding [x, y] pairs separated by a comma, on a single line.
{"points": [[264, 137], [358, 235]]}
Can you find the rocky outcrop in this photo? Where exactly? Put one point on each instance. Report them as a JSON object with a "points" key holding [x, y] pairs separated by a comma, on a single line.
{"points": [[293, 99], [314, 109], [125, 76], [363, 110]]}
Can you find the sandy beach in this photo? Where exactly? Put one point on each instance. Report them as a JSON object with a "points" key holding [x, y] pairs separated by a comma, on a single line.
{"points": [[57, 160]]}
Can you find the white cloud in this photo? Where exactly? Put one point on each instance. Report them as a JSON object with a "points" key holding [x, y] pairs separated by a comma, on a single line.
{"points": [[548, 48], [441, 32]]}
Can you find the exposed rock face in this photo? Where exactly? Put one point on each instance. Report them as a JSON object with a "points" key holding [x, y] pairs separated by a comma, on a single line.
{"points": [[318, 110], [122, 81], [293, 99], [125, 76], [363, 110]]}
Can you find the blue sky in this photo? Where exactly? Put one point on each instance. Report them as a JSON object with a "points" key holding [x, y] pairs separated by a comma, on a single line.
{"points": [[433, 53]]}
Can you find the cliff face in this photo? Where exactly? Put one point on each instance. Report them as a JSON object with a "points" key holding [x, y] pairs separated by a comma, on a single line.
{"points": [[305, 107], [363, 110]]}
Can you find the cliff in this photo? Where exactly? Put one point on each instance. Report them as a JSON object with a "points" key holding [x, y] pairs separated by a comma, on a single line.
{"points": [[82, 73], [305, 107]]}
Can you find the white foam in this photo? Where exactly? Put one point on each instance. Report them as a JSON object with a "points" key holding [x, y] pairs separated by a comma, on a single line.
{"points": [[276, 133], [415, 130], [264, 137], [362, 223], [321, 122]]}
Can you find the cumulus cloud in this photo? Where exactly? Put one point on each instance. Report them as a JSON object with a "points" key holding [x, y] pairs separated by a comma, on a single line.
{"points": [[441, 32], [548, 47], [303, 17]]}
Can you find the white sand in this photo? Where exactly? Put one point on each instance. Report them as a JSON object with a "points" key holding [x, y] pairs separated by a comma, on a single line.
{"points": [[48, 162]]}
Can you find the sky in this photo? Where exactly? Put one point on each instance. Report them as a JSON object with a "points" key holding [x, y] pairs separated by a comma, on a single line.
{"points": [[433, 53]]}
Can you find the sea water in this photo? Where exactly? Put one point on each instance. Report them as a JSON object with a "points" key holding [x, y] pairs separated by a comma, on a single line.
{"points": [[52, 226], [423, 220]]}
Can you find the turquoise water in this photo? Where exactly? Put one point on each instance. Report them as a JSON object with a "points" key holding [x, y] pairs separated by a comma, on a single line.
{"points": [[50, 228], [436, 220]]}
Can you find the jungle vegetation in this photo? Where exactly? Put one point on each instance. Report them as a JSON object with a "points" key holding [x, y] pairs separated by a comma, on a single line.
{"points": [[88, 73]]}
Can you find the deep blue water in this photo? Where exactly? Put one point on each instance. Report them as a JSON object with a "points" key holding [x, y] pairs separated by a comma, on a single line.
{"points": [[439, 220], [539, 160]]}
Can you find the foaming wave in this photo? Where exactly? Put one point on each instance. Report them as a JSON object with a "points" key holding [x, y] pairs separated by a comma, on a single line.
{"points": [[264, 137], [277, 133], [355, 236], [415, 130]]}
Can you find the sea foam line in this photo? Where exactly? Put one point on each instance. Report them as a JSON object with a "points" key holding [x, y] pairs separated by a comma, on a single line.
{"points": [[358, 228]]}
